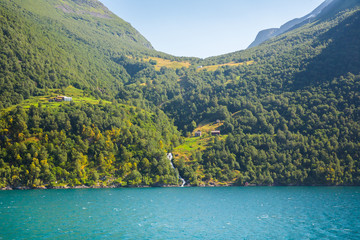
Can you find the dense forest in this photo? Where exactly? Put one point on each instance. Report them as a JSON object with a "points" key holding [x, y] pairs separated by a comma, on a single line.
{"points": [[289, 108], [86, 145]]}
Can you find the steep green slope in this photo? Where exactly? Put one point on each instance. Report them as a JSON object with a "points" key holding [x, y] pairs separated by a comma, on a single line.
{"points": [[52, 44], [339, 57], [330, 45], [292, 116], [326, 10], [44, 48], [267, 34], [87, 21], [85, 144]]}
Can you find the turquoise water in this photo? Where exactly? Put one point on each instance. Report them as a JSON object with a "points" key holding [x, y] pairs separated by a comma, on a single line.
{"points": [[182, 213]]}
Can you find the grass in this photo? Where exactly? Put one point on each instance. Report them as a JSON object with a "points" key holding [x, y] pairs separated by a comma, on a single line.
{"points": [[207, 127], [231, 64], [190, 145], [160, 62], [199, 144], [77, 95], [193, 144]]}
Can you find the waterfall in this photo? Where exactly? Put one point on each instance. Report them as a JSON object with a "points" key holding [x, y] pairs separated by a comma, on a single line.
{"points": [[170, 157]]}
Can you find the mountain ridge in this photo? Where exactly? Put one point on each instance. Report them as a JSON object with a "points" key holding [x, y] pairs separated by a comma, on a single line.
{"points": [[287, 111], [328, 7]]}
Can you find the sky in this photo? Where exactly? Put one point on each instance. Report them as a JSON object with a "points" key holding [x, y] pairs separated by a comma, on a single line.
{"points": [[204, 28]]}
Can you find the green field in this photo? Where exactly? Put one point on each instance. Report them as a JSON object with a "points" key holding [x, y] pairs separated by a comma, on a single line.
{"points": [[231, 64], [193, 144], [160, 62], [78, 96]]}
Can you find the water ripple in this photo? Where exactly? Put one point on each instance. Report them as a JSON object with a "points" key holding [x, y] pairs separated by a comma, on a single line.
{"points": [[182, 213]]}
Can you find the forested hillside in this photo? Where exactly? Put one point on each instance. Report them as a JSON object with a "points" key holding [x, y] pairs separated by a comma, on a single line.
{"points": [[48, 46], [54, 44], [326, 10], [86, 144], [292, 117], [288, 110]]}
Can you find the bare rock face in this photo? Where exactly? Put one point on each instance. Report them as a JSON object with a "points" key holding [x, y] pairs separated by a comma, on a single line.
{"points": [[263, 36], [325, 7], [94, 8]]}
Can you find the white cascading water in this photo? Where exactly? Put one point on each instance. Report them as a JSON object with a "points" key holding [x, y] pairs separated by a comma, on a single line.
{"points": [[170, 157]]}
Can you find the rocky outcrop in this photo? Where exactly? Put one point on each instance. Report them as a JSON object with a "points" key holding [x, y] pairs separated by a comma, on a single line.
{"points": [[267, 34], [68, 9]]}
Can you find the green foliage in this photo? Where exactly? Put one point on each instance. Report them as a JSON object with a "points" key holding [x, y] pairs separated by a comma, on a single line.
{"points": [[313, 142], [292, 116], [54, 44], [85, 145]]}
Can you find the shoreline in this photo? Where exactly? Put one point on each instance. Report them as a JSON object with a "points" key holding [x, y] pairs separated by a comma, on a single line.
{"points": [[160, 186], [23, 188]]}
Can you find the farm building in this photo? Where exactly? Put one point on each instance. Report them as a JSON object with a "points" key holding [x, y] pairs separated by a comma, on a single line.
{"points": [[215, 133], [60, 99], [67, 99]]}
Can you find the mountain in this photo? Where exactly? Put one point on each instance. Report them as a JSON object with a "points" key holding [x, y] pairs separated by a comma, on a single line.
{"points": [[288, 110], [56, 43], [77, 48], [86, 15], [327, 8]]}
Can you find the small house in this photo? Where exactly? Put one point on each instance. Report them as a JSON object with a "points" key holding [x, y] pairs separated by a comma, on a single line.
{"points": [[64, 98], [56, 99], [60, 99], [215, 133], [67, 99], [198, 134]]}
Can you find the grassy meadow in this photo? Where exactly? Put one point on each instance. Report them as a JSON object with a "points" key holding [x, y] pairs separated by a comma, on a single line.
{"points": [[160, 62], [78, 96], [213, 68]]}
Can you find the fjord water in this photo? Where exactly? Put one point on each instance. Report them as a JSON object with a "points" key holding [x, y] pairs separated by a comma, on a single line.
{"points": [[182, 213]]}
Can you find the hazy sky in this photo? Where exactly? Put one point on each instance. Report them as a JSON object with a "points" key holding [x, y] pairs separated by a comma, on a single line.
{"points": [[203, 28]]}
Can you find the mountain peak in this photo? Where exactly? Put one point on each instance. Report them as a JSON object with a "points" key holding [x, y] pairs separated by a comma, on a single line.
{"points": [[327, 9], [85, 7], [87, 19]]}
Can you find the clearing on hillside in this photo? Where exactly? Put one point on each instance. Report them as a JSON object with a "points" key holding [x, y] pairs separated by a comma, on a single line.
{"points": [[231, 64], [160, 62], [77, 95], [193, 144]]}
